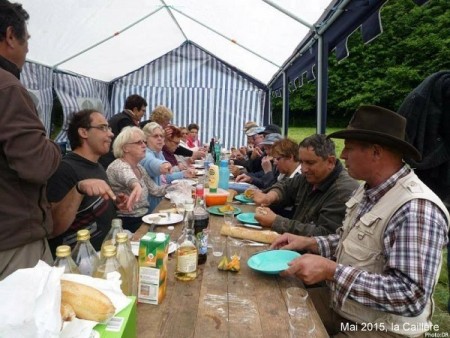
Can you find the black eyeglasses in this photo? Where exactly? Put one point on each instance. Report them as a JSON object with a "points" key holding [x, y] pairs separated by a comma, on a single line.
{"points": [[102, 127], [140, 142]]}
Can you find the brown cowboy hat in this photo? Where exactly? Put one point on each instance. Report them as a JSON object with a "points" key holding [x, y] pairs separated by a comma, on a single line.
{"points": [[379, 125]]}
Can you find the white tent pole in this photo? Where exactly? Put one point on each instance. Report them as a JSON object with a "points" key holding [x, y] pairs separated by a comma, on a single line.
{"points": [[319, 84], [174, 20], [227, 38], [296, 18], [108, 38], [285, 89]]}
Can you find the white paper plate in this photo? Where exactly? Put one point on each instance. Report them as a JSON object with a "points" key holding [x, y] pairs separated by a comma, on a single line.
{"points": [[190, 182], [200, 172], [198, 166], [162, 218]]}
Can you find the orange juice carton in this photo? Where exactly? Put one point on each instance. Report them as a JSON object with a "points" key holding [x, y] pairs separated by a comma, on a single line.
{"points": [[153, 256]]}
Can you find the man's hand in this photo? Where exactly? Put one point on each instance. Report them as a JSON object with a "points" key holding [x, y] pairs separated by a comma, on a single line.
{"points": [[95, 187], [256, 153], [289, 241], [243, 178], [266, 164], [198, 155], [311, 269], [265, 216], [264, 199], [189, 173], [121, 201]]}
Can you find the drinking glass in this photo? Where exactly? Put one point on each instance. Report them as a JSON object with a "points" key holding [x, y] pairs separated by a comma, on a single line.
{"points": [[234, 248], [228, 218], [301, 326], [296, 300], [218, 245]]}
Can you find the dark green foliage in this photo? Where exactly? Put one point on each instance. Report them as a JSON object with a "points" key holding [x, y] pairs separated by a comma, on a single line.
{"points": [[415, 43]]}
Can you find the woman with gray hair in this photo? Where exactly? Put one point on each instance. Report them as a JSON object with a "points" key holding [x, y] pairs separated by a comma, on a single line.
{"points": [[127, 175]]}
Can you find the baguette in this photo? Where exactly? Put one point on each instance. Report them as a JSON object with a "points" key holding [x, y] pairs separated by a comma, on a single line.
{"points": [[263, 236], [67, 312], [87, 302]]}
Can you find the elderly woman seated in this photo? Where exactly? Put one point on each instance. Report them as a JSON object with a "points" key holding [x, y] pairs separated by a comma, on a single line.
{"points": [[158, 168], [127, 175], [170, 145]]}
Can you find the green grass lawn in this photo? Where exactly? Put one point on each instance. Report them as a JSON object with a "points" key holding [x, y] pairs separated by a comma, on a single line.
{"points": [[441, 317]]}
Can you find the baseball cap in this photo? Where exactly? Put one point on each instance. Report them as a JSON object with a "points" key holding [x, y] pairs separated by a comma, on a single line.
{"points": [[254, 130], [271, 139], [272, 129]]}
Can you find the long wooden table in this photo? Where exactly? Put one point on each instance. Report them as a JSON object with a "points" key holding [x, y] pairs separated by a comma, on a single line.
{"points": [[220, 303]]}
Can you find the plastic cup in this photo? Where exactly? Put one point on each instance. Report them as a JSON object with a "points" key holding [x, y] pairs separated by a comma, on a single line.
{"points": [[297, 301], [234, 249], [301, 327], [228, 218], [218, 245]]}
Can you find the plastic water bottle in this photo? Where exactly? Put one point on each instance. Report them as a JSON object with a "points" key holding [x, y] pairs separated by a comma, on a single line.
{"points": [[224, 175]]}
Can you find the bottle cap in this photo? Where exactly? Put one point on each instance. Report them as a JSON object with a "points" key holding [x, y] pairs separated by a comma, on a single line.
{"points": [[83, 235], [121, 237], [63, 251], [109, 251]]}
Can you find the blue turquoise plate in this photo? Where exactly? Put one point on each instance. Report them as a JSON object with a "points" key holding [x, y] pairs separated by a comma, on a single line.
{"points": [[215, 210], [243, 199], [247, 217], [272, 262]]}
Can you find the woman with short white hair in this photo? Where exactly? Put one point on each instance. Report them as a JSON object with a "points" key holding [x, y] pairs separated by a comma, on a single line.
{"points": [[126, 175]]}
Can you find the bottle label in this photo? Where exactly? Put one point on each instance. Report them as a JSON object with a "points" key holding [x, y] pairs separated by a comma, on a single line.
{"points": [[187, 261], [202, 240]]}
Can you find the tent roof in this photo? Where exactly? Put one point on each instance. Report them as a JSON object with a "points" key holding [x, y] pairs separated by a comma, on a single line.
{"points": [[106, 39]]}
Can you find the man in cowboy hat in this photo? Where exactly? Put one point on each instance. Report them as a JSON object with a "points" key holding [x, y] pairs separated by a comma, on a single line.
{"points": [[383, 263]]}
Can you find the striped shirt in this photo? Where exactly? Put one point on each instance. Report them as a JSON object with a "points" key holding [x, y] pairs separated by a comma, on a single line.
{"points": [[412, 245]]}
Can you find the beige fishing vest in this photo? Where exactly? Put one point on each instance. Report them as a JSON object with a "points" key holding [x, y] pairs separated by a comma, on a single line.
{"points": [[361, 246]]}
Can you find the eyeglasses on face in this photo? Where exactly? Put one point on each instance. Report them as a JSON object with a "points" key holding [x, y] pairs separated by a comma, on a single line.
{"points": [[140, 142], [157, 136], [102, 127]]}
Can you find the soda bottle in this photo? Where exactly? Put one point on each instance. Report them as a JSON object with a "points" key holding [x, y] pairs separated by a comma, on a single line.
{"points": [[109, 267], [128, 262], [63, 259], [84, 254], [201, 222], [187, 253], [224, 175]]}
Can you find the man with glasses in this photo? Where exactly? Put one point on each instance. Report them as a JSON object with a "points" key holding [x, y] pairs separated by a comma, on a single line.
{"points": [[27, 157], [80, 195], [318, 195], [134, 110]]}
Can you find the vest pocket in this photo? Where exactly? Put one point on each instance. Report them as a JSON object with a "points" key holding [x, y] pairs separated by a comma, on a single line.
{"points": [[358, 255]]}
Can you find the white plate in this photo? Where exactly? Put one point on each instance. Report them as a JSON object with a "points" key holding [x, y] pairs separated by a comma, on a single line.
{"points": [[190, 182], [135, 247], [172, 247], [198, 166], [162, 218], [200, 172]]}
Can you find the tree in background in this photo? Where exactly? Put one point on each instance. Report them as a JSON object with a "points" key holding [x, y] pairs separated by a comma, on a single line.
{"points": [[415, 43]]}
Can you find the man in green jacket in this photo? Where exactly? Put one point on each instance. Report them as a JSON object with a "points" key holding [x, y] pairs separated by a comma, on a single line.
{"points": [[318, 194]]}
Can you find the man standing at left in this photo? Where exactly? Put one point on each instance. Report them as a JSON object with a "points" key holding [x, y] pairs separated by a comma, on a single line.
{"points": [[27, 157]]}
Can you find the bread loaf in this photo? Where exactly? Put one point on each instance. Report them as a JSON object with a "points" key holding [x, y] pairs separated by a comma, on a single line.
{"points": [[67, 312], [87, 302], [263, 236]]}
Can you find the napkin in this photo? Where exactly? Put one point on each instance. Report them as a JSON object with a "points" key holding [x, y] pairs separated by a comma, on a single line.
{"points": [[31, 300]]}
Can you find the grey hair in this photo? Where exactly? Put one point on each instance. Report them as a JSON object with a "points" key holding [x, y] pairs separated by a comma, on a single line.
{"points": [[123, 138], [322, 145], [149, 129]]}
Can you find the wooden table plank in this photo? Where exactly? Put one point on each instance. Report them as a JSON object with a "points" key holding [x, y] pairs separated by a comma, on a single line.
{"points": [[220, 303]]}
